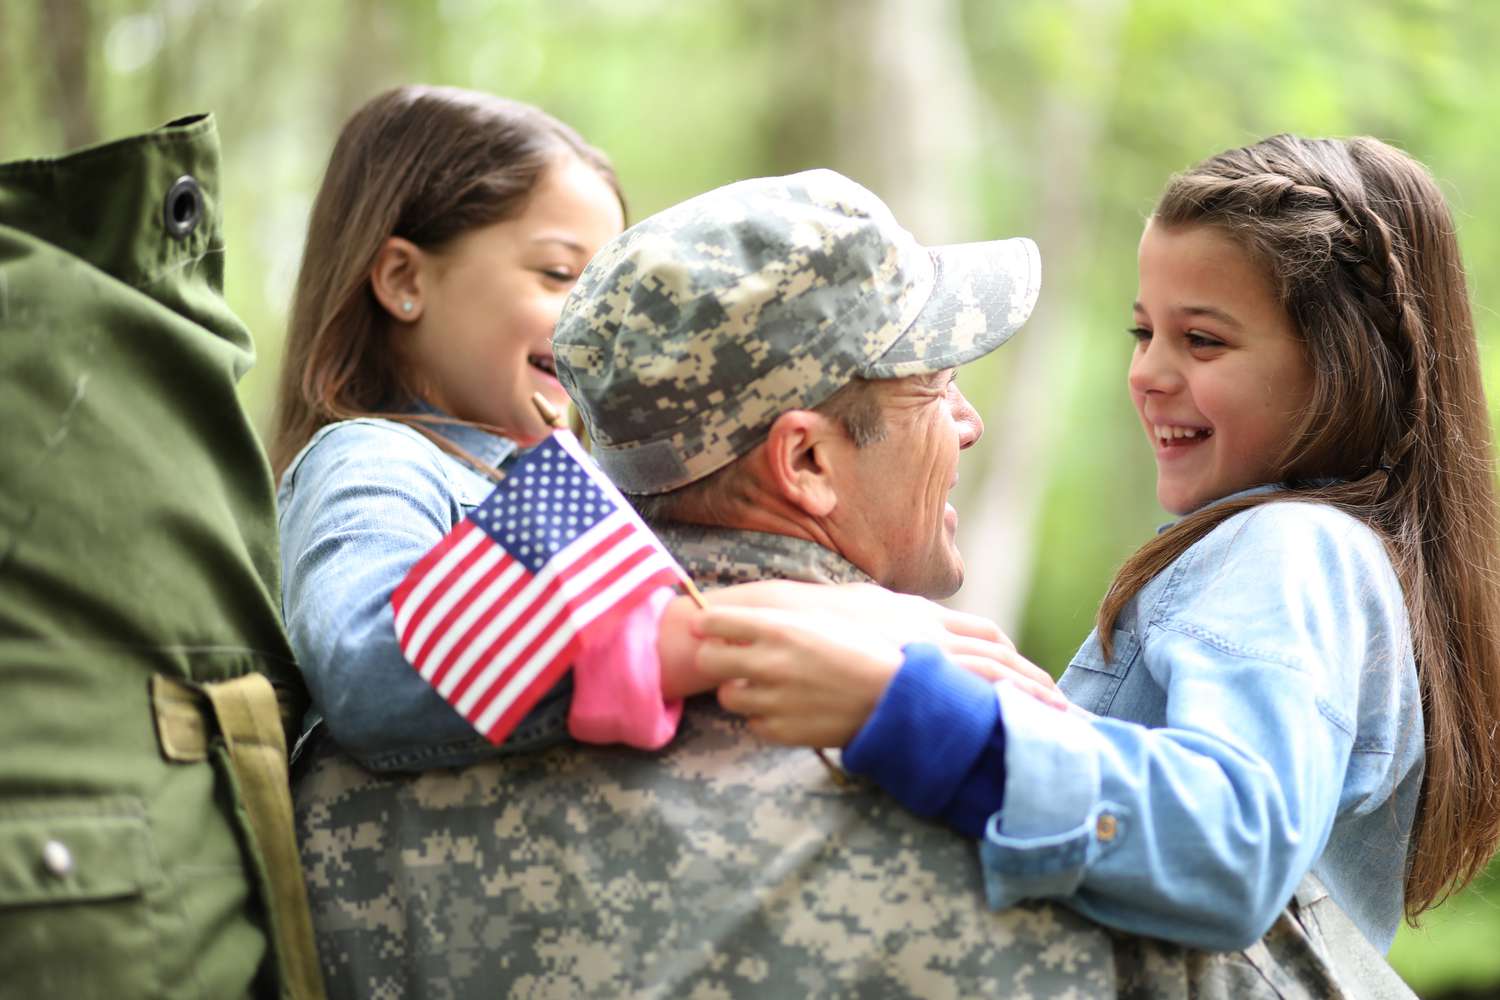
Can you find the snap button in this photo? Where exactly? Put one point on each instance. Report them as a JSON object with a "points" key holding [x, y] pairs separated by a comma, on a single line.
{"points": [[183, 207], [1105, 827], [57, 858]]}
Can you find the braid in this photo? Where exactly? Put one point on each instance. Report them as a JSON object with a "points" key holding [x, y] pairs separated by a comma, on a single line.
{"points": [[1390, 301]]}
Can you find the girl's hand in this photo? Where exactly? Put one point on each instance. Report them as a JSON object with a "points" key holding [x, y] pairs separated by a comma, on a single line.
{"points": [[804, 678], [970, 641], [798, 678]]}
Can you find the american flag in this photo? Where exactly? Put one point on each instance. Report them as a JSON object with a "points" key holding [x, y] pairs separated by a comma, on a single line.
{"points": [[492, 615]]}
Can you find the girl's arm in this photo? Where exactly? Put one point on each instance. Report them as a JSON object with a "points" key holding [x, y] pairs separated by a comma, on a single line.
{"points": [[359, 509], [629, 680], [808, 664]]}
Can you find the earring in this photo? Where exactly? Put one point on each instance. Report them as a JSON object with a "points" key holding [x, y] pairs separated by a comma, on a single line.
{"points": [[406, 306]]}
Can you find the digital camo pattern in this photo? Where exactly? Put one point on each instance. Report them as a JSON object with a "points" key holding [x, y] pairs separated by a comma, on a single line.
{"points": [[718, 868], [719, 557], [688, 334]]}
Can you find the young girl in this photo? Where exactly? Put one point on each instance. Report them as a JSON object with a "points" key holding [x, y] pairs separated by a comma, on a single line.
{"points": [[449, 228], [1302, 674]]}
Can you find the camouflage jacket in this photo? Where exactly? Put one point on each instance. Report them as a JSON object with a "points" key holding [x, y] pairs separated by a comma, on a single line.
{"points": [[718, 867]]}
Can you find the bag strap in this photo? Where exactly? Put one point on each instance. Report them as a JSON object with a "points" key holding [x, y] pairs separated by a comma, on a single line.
{"points": [[245, 713]]}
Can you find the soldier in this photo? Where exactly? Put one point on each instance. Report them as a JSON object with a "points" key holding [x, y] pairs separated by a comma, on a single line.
{"points": [[722, 866], [145, 823]]}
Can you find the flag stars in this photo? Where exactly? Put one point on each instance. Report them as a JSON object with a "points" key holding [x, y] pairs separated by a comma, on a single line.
{"points": [[545, 504]]}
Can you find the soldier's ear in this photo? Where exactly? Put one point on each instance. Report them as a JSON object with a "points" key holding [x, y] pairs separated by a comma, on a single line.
{"points": [[803, 460], [397, 278]]}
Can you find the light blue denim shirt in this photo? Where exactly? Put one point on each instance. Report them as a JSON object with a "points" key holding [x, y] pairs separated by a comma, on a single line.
{"points": [[359, 505], [1259, 717]]}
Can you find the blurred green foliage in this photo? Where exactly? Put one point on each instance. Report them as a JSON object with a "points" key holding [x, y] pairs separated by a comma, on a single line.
{"points": [[1060, 119]]}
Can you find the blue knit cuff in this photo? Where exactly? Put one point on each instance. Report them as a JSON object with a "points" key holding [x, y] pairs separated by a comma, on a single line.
{"points": [[927, 732]]}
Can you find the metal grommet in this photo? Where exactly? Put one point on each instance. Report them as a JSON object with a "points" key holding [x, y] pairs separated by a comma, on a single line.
{"points": [[183, 208], [1106, 828]]}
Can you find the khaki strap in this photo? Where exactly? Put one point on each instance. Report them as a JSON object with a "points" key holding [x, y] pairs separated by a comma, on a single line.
{"points": [[180, 726], [249, 720]]}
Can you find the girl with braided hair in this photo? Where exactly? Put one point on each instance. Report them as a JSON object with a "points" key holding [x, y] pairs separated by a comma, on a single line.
{"points": [[1298, 682]]}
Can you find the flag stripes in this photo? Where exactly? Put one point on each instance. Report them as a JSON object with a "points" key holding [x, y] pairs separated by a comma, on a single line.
{"points": [[492, 615]]}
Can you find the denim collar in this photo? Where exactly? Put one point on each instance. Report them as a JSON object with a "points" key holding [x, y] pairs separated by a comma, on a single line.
{"points": [[493, 448], [1255, 491], [1252, 491]]}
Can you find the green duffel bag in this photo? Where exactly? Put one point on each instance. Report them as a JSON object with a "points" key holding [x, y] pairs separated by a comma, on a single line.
{"points": [[145, 836]]}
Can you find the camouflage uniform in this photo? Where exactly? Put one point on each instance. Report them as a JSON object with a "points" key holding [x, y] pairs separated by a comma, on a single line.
{"points": [[721, 867]]}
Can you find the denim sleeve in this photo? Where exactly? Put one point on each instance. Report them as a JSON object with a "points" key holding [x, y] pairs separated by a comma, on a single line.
{"points": [[1198, 831], [363, 504]]}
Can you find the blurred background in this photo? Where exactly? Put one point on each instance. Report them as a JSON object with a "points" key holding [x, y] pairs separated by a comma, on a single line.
{"points": [[1057, 119]]}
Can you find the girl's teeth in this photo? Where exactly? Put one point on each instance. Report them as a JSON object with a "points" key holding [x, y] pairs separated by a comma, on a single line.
{"points": [[1172, 433]]}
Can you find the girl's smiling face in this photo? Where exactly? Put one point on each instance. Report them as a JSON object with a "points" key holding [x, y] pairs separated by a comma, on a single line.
{"points": [[1218, 376], [483, 342]]}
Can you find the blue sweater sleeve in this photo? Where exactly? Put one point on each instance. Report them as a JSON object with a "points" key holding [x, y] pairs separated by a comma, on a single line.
{"points": [[953, 716]]}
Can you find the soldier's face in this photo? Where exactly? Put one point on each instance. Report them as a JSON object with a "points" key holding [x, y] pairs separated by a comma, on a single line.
{"points": [[896, 514], [490, 302]]}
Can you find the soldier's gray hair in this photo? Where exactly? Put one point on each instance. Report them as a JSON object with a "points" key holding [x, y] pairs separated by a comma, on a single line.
{"points": [[856, 406]]}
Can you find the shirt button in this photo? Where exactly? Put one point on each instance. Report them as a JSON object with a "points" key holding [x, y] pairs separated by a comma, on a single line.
{"points": [[57, 858], [1105, 827]]}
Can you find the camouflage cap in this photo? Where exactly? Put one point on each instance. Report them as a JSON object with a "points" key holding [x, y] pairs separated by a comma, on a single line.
{"points": [[691, 332]]}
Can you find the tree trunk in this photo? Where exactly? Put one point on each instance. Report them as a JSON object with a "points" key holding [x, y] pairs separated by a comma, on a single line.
{"points": [[908, 114], [65, 32], [1025, 417], [905, 110]]}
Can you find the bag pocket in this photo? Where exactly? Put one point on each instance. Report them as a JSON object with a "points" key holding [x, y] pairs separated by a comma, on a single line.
{"points": [[74, 874]]}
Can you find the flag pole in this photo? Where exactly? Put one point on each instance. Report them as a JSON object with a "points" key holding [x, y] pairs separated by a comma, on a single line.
{"points": [[553, 418]]}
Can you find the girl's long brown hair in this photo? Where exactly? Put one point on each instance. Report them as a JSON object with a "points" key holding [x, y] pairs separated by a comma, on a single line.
{"points": [[1361, 249], [428, 164]]}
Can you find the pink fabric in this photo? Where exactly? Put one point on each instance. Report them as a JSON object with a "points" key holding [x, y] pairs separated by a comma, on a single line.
{"points": [[617, 683]]}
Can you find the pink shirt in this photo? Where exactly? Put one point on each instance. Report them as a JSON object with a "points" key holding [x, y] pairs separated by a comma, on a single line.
{"points": [[617, 682]]}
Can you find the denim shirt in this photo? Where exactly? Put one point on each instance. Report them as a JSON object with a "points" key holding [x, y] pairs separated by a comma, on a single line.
{"points": [[359, 506], [1258, 717]]}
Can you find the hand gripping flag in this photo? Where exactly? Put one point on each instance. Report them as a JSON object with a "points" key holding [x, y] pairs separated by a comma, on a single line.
{"points": [[492, 616]]}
